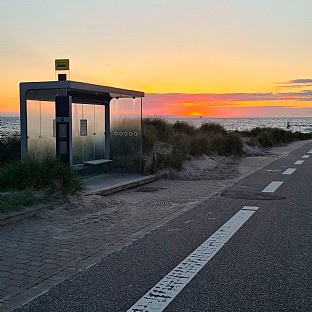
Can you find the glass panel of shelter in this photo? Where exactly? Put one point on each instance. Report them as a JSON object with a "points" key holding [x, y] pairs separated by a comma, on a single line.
{"points": [[126, 137], [88, 132], [88, 129], [41, 120], [88, 126]]}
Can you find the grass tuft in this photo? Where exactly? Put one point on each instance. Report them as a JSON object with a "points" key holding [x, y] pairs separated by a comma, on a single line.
{"points": [[39, 173], [212, 128], [163, 130], [267, 137], [35, 180], [183, 127], [15, 200], [10, 149]]}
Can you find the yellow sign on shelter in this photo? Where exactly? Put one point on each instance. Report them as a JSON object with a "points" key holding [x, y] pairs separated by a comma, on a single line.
{"points": [[62, 64]]}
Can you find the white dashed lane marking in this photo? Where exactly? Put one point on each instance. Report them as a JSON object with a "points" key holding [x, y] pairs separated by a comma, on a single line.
{"points": [[272, 187], [310, 151], [305, 156], [157, 298], [289, 171], [299, 162]]}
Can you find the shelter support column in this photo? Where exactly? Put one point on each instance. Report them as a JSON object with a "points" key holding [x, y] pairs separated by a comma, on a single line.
{"points": [[63, 112], [107, 131], [23, 122]]}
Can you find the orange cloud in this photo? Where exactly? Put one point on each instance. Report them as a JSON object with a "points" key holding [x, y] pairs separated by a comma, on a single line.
{"points": [[229, 105]]}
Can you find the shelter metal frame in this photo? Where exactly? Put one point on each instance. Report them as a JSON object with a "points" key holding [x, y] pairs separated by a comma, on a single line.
{"points": [[84, 93]]}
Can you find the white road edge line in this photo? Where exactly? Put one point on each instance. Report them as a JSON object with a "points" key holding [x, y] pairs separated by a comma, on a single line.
{"points": [[299, 162], [305, 156], [289, 171], [272, 187], [158, 297]]}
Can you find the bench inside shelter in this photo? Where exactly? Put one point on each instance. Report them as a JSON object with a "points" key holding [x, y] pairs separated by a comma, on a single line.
{"points": [[97, 162]]}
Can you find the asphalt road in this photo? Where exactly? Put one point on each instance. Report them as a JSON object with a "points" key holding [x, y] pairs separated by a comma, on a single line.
{"points": [[265, 266]]}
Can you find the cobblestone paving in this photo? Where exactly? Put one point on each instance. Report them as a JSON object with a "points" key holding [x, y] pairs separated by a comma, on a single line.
{"points": [[39, 252]]}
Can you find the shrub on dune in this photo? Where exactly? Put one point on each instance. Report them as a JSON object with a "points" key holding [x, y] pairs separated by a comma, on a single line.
{"points": [[212, 128], [183, 127], [39, 172], [10, 149]]}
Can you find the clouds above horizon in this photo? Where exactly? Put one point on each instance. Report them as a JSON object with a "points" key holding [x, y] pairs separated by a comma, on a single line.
{"points": [[304, 81], [173, 98], [296, 83], [228, 104]]}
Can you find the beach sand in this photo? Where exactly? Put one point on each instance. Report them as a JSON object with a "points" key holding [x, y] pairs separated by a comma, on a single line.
{"points": [[206, 170]]}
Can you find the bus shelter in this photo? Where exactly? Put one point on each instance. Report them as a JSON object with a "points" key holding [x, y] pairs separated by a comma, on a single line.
{"points": [[86, 125]]}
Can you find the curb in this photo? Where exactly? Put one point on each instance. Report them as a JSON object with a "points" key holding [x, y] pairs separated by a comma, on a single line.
{"points": [[125, 185]]}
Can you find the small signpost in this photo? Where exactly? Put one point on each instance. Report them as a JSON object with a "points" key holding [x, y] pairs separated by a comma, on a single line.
{"points": [[62, 68], [62, 64]]}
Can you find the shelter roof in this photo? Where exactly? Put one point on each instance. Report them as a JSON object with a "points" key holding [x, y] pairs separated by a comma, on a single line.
{"points": [[81, 92]]}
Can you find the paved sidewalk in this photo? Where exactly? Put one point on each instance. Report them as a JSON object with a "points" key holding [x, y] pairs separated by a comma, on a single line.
{"points": [[104, 184], [42, 251]]}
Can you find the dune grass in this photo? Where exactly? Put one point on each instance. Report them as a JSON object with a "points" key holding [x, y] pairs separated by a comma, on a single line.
{"points": [[180, 141], [38, 172], [35, 179], [10, 149], [39, 179], [15, 200]]}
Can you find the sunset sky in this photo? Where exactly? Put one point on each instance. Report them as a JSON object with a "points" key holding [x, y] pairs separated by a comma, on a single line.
{"points": [[213, 58]]}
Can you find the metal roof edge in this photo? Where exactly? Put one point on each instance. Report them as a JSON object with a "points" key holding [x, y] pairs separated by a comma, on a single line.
{"points": [[83, 86]]}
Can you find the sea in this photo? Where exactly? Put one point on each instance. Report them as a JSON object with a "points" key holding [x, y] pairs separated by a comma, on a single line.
{"points": [[11, 125]]}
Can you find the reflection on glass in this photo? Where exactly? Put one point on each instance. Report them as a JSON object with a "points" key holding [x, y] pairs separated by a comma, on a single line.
{"points": [[41, 120], [88, 124], [88, 129], [40, 116], [126, 138]]}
